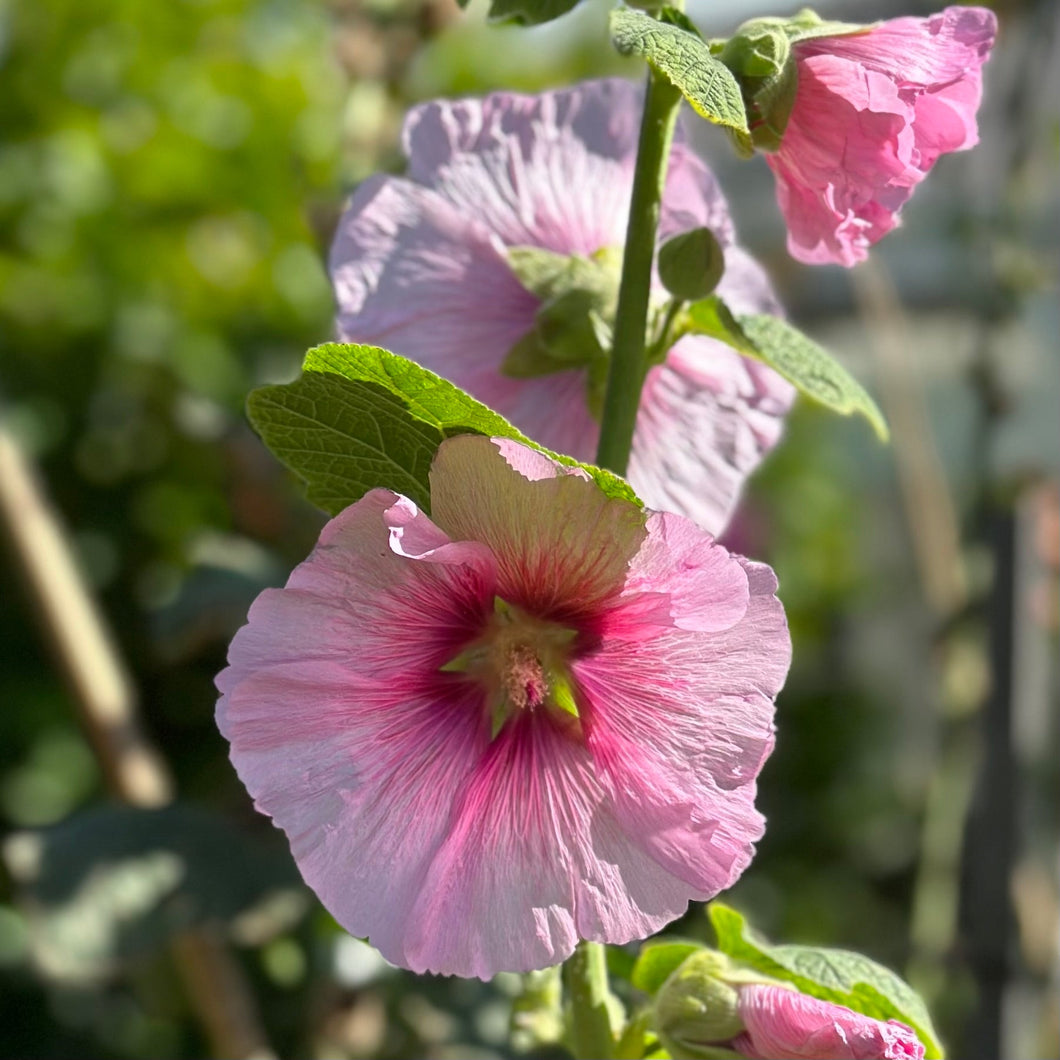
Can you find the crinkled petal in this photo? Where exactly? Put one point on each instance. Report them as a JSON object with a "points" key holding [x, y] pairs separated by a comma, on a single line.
{"points": [[562, 546], [552, 170], [415, 275], [339, 720], [707, 418], [845, 164], [872, 114], [679, 725], [785, 1024], [703, 588], [918, 52], [534, 860], [693, 198]]}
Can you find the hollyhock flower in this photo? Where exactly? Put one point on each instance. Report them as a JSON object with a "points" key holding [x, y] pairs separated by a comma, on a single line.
{"points": [[872, 114], [783, 1024], [536, 715], [420, 266]]}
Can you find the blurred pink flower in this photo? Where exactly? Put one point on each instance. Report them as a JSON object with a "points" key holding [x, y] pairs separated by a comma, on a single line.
{"points": [[419, 266], [786, 1025], [535, 716], [872, 114]]}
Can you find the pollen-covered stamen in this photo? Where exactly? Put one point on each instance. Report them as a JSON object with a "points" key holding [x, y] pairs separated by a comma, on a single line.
{"points": [[524, 679], [521, 663]]}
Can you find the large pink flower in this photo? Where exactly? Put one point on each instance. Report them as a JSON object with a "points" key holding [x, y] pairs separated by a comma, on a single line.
{"points": [[420, 267], [535, 716], [872, 114], [783, 1024]]}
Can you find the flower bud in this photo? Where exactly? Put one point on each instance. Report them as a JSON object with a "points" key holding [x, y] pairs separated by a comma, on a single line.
{"points": [[695, 1009]]}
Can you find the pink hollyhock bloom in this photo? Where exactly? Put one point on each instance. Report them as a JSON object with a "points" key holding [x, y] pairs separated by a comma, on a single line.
{"points": [[535, 716], [419, 266], [786, 1025], [872, 114]]}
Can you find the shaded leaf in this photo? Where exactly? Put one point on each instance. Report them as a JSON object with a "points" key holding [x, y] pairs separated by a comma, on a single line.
{"points": [[686, 61], [115, 882], [786, 350]]}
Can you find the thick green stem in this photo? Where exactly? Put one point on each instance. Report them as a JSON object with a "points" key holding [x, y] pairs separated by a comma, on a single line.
{"points": [[627, 369], [591, 1004]]}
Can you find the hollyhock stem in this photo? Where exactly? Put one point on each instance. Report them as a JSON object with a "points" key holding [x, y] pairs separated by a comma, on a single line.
{"points": [[591, 1034], [625, 375]]}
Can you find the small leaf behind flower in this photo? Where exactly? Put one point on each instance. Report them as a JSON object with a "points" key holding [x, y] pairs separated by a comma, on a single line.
{"points": [[839, 976], [361, 418], [786, 350], [658, 959], [686, 61], [526, 12]]}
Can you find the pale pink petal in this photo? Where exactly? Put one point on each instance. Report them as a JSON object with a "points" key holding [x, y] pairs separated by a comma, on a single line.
{"points": [[704, 588], [550, 171], [535, 859], [339, 720], [786, 1025], [692, 197], [707, 418], [680, 760], [562, 546], [416, 276]]}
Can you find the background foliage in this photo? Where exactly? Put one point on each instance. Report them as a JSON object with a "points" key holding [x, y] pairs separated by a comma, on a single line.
{"points": [[170, 173]]}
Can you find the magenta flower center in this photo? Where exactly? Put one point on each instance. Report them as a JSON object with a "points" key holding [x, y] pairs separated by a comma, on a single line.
{"points": [[521, 663]]}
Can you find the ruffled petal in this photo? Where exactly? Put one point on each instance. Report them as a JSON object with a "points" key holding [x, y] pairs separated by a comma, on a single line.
{"points": [[707, 418], [552, 171], [534, 860], [918, 52], [693, 198], [678, 727], [562, 546], [339, 720], [415, 275]]}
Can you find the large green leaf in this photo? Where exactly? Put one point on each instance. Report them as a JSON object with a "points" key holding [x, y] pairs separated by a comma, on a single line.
{"points": [[786, 350], [839, 976], [360, 418], [686, 61]]}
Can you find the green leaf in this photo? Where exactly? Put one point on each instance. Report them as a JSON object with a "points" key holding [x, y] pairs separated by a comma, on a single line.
{"points": [[839, 976], [360, 418], [658, 959], [686, 61], [786, 350], [527, 12], [691, 264]]}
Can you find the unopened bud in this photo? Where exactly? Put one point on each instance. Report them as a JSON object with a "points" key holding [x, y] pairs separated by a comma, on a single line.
{"points": [[695, 1009]]}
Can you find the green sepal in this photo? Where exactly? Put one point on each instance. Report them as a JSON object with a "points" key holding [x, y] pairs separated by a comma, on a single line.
{"points": [[790, 353], [691, 264], [685, 60], [761, 56], [360, 417], [839, 976]]}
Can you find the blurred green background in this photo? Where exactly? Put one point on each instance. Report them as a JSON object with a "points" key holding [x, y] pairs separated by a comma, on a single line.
{"points": [[170, 174]]}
